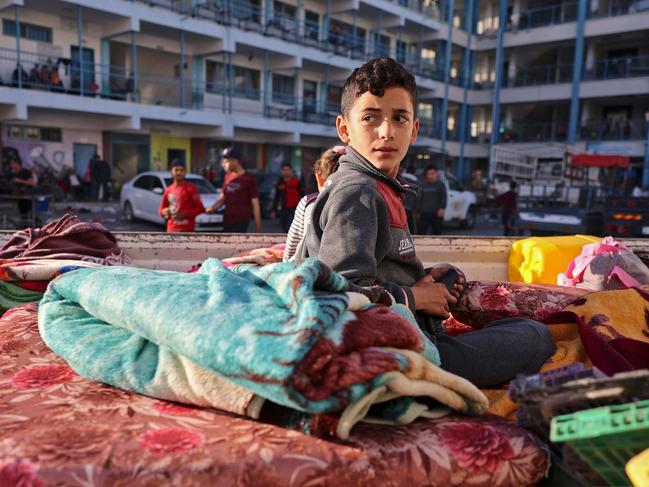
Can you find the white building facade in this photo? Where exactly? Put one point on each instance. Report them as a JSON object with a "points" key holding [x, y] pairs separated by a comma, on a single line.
{"points": [[143, 82]]}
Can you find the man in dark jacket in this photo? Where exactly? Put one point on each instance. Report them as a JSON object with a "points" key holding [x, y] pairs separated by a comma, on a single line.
{"points": [[431, 203]]}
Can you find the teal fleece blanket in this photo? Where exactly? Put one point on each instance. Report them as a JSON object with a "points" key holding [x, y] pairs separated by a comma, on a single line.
{"points": [[301, 337]]}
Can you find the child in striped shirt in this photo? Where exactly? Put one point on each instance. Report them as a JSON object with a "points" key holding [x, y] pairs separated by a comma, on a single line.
{"points": [[324, 167]]}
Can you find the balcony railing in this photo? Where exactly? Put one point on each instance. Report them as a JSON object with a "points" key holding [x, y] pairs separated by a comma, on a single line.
{"points": [[627, 67], [547, 74], [546, 15], [535, 132], [630, 129]]}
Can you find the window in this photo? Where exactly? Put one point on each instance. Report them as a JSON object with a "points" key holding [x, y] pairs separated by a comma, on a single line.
{"points": [[284, 15], [283, 89], [381, 45], [143, 182], [156, 183], [310, 96], [425, 111], [215, 77], [202, 184], [27, 31], [246, 83], [345, 36], [402, 52], [333, 98], [44, 134], [311, 25], [247, 10]]}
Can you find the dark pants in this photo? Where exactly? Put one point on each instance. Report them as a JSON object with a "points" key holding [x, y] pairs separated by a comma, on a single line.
{"points": [[239, 227], [430, 224], [25, 208], [286, 218], [509, 220], [496, 353]]}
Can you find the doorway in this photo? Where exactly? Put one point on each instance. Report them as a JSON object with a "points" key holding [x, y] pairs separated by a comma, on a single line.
{"points": [[87, 64], [82, 154], [173, 154]]}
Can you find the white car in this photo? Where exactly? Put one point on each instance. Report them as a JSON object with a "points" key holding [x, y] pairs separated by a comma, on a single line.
{"points": [[460, 204], [141, 197]]}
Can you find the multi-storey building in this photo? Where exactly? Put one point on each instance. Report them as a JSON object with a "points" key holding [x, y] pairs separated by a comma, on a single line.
{"points": [[143, 82]]}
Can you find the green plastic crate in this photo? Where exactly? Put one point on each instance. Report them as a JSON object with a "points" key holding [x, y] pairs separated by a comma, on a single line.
{"points": [[606, 437]]}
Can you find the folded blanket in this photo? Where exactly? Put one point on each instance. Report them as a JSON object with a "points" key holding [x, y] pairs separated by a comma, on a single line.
{"points": [[613, 326], [65, 238], [39, 269], [233, 339], [12, 295]]}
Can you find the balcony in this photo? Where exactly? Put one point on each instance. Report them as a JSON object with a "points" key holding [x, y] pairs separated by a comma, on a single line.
{"points": [[616, 68], [535, 132], [547, 74], [598, 130], [544, 16]]}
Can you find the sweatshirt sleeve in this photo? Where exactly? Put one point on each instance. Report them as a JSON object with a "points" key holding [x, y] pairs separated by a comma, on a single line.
{"points": [[350, 225], [197, 206]]}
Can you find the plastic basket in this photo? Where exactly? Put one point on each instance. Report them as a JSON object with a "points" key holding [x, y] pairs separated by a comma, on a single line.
{"points": [[606, 438], [638, 469], [42, 204]]}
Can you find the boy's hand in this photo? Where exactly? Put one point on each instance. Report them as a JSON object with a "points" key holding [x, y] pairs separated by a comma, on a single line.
{"points": [[431, 297], [209, 210], [458, 287], [166, 213]]}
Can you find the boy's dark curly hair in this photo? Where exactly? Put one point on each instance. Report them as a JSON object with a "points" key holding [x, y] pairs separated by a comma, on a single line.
{"points": [[376, 76]]}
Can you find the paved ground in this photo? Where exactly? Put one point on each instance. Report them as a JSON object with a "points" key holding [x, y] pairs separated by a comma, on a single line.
{"points": [[110, 215]]}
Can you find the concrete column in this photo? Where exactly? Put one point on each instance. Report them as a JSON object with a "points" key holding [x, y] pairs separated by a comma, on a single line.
{"points": [[134, 70], [80, 41], [513, 65], [509, 117], [266, 94], [19, 67], [500, 57], [181, 69], [516, 13], [590, 56], [577, 72]]}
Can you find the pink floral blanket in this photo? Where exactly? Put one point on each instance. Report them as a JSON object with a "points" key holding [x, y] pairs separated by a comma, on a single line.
{"points": [[57, 428]]}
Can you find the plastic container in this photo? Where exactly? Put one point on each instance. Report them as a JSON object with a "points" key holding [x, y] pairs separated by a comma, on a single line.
{"points": [[42, 204], [606, 438], [539, 260], [637, 469], [521, 385]]}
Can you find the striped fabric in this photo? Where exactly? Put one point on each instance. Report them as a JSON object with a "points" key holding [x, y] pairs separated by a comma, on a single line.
{"points": [[301, 222]]}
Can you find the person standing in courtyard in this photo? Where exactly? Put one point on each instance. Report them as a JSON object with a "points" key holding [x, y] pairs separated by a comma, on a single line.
{"points": [[288, 192], [431, 203], [181, 201], [240, 195], [509, 204]]}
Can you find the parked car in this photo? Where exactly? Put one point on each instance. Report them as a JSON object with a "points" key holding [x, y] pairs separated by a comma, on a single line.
{"points": [[141, 197], [461, 204]]}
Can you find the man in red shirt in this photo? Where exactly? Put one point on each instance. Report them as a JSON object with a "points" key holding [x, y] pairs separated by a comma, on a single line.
{"points": [[288, 192], [240, 195], [181, 201]]}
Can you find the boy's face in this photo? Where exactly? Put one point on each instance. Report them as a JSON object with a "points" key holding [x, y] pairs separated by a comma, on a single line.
{"points": [[380, 128], [178, 173]]}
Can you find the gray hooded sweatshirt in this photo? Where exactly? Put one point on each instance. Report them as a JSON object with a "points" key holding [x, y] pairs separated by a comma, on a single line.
{"points": [[359, 229]]}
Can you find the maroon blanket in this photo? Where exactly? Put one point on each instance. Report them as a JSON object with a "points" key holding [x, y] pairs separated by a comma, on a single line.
{"points": [[65, 238], [57, 428]]}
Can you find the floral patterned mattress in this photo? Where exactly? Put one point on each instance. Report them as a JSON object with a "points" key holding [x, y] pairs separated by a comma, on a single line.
{"points": [[57, 428]]}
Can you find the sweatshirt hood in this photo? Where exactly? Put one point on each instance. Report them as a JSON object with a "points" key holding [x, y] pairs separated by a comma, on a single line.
{"points": [[352, 159]]}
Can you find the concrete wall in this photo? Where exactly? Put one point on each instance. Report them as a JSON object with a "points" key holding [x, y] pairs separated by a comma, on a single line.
{"points": [[53, 155]]}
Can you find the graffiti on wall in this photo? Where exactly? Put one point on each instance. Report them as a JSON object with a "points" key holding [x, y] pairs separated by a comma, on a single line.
{"points": [[39, 156]]}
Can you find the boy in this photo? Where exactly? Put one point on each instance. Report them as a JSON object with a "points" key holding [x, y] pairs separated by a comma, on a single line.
{"points": [[359, 229], [239, 195], [181, 201]]}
